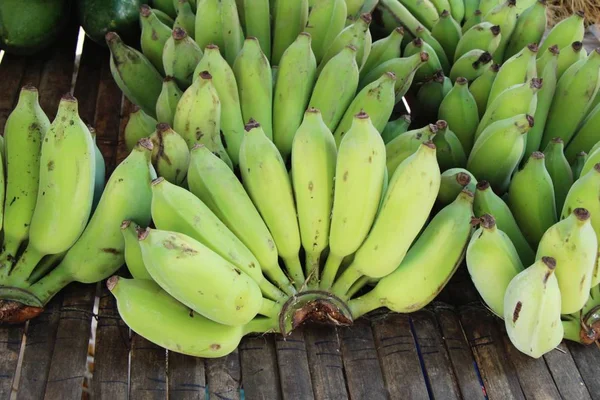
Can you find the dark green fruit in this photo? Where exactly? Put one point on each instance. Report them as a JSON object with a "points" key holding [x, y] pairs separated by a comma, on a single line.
{"points": [[97, 17]]}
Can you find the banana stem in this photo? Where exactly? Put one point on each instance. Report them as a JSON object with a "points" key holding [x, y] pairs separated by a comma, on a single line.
{"points": [[270, 308], [345, 281], [276, 275], [47, 287], [261, 325], [24, 267], [271, 291], [294, 268], [572, 328], [359, 284], [364, 304], [312, 268], [330, 270]]}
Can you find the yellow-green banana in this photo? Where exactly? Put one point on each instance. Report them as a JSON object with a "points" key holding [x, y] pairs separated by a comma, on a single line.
{"points": [[586, 136], [395, 13], [208, 26], [480, 88], [458, 9], [385, 49], [569, 56], [233, 36], [166, 104], [356, 35], [530, 28], [471, 65], [447, 32], [258, 23], [404, 145], [395, 128], [559, 169], [326, 19], [289, 20], [153, 38], [452, 182], [170, 154], [518, 69], [449, 150], [139, 125], [132, 251], [424, 11], [180, 57], [505, 15], [483, 36], [186, 19], [564, 33], [475, 19], [459, 109]]}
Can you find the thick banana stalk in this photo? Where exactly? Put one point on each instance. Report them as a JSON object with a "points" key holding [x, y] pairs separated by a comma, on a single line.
{"points": [[586, 136], [431, 67], [335, 87], [405, 144], [560, 171], [505, 15], [180, 57], [531, 199], [431, 94], [258, 23], [518, 69], [153, 38], [139, 125], [452, 182], [532, 309], [210, 179], [449, 150], [98, 253], [498, 151], [198, 116], [356, 35], [186, 19], [385, 49], [480, 88], [24, 130], [289, 20], [459, 110], [327, 18], [564, 33], [166, 105], [492, 262], [484, 36], [137, 78], [428, 265], [395, 128], [577, 165], [471, 65], [255, 83], [573, 244], [170, 154], [475, 19], [267, 182], [294, 84], [530, 28], [313, 169], [408, 201], [132, 251], [209, 27], [359, 175]]}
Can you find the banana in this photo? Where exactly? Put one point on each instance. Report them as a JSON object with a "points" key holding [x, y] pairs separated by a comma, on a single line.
{"points": [[492, 262], [409, 198], [577, 165], [385, 49], [164, 17], [591, 159], [267, 182], [475, 19], [395, 13], [186, 19], [452, 182], [359, 175], [137, 78], [356, 35], [335, 87], [532, 309], [24, 130], [233, 36], [531, 199], [483, 36], [459, 109], [424, 11], [471, 65], [559, 169], [427, 37], [258, 24], [139, 125], [470, 7], [153, 38], [180, 57], [431, 67], [564, 33], [289, 20], [395, 128], [575, 92], [449, 150], [431, 94], [132, 251], [313, 169], [170, 154], [518, 69], [586, 135], [569, 56], [458, 10], [428, 265], [100, 171], [499, 149], [480, 88], [166, 6], [166, 105], [573, 244], [294, 84], [404, 145], [208, 24], [215, 184], [447, 32], [326, 19], [505, 15], [530, 28], [98, 252]]}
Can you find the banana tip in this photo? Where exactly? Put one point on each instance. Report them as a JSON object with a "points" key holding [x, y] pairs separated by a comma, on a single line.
{"points": [[205, 75], [550, 262], [145, 143], [477, 13], [441, 125], [597, 167], [461, 80], [512, 3], [212, 46], [429, 144], [537, 155], [157, 181], [366, 17], [197, 146], [533, 47], [445, 14], [362, 115], [582, 214], [577, 46], [580, 13], [111, 283], [68, 97], [530, 120], [483, 185], [143, 234], [424, 56], [162, 127], [487, 221], [537, 83], [418, 42], [125, 224], [111, 37], [554, 49], [463, 179], [252, 124], [179, 33], [495, 30], [29, 88], [557, 140], [145, 10], [495, 67]]}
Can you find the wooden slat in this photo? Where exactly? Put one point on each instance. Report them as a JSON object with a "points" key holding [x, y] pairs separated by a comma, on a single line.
{"points": [[435, 356], [260, 375], [325, 362], [460, 290], [68, 364], [93, 57], [587, 359], [294, 371], [499, 375], [223, 376], [111, 359], [565, 373], [459, 351], [363, 372], [187, 379], [148, 378], [398, 357]]}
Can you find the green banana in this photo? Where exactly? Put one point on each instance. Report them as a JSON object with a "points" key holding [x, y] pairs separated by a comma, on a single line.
{"points": [[164, 17], [293, 87], [170, 154], [573, 244], [210, 179], [459, 109], [335, 87], [359, 175], [586, 135], [137, 78], [267, 181], [475, 19], [591, 159], [560, 171], [532, 309], [166, 6], [258, 24], [395, 13], [255, 83], [491, 254], [198, 116], [431, 67], [480, 88], [471, 65], [98, 252], [531, 199], [153, 38], [395, 128], [208, 25], [180, 57], [166, 104], [186, 19], [569, 56], [289, 20], [564, 33], [428, 265], [578, 164], [356, 35], [458, 10], [385, 49], [530, 28], [452, 182], [313, 169], [404, 145], [326, 19], [132, 251], [470, 7], [449, 150], [431, 94], [424, 11], [447, 32], [233, 36], [427, 37], [505, 15], [483, 36], [139, 125], [518, 69]]}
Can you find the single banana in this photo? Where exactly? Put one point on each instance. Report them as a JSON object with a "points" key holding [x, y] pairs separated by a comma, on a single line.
{"points": [[356, 35], [139, 125], [569, 56], [447, 32], [153, 38], [475, 19], [427, 37], [395, 128], [98, 253], [578, 164], [459, 109], [137, 78], [208, 24], [452, 182], [428, 265], [132, 251], [586, 135], [424, 11], [186, 19], [258, 24], [531, 199], [170, 154], [492, 262], [484, 36], [480, 88], [406, 144], [458, 9], [166, 6], [180, 57], [431, 94], [233, 36], [471, 65], [210, 179], [564, 33], [289, 20], [449, 150], [505, 15], [532, 309], [530, 28], [385, 49], [198, 116], [560, 171], [470, 7], [518, 69], [294, 84], [326, 19], [431, 67], [359, 175], [166, 104]]}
